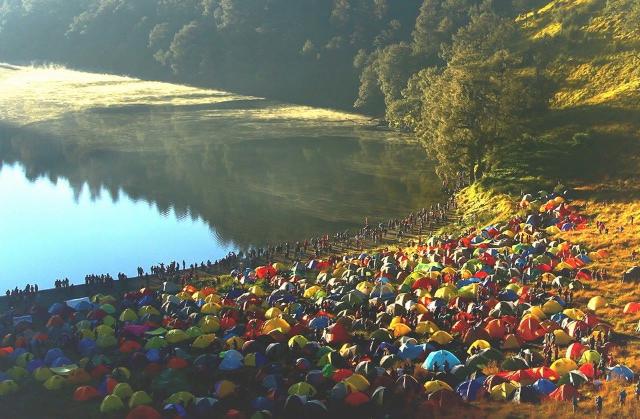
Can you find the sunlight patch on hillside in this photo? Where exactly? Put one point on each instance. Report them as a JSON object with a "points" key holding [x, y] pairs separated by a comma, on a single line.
{"points": [[550, 30], [567, 4], [616, 82]]}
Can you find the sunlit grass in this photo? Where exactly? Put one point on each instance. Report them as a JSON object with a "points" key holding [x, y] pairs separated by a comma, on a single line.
{"points": [[36, 94]]}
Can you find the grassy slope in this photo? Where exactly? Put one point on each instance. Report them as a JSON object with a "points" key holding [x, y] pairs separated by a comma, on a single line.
{"points": [[611, 203], [593, 61]]}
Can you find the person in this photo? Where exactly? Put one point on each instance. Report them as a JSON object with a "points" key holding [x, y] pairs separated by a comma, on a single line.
{"points": [[574, 402], [599, 404], [622, 396]]}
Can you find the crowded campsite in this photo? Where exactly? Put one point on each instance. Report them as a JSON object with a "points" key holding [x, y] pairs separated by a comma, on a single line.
{"points": [[488, 316]]}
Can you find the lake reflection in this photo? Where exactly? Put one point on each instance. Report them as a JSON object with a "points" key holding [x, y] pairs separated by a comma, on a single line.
{"points": [[145, 176]]}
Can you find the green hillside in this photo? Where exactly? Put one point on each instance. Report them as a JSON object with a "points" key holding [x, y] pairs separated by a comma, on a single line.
{"points": [[511, 92], [591, 53]]}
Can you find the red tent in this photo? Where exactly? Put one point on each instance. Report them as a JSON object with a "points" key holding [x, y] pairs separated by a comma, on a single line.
{"points": [[143, 412], [588, 370], [84, 393], [564, 393], [575, 350], [529, 329]]}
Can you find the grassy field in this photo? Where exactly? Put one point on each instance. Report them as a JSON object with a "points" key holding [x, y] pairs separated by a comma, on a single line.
{"points": [[613, 203]]}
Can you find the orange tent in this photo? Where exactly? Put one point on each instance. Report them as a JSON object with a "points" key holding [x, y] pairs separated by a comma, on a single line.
{"points": [[496, 328], [529, 329], [265, 271]]}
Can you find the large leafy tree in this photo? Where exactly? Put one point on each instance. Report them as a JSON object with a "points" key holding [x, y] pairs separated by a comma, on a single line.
{"points": [[463, 112]]}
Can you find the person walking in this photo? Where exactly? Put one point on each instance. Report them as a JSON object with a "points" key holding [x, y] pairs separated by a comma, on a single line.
{"points": [[598, 404], [622, 397]]}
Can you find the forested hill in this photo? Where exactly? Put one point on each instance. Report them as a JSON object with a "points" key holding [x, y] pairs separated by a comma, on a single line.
{"points": [[497, 88], [312, 51]]}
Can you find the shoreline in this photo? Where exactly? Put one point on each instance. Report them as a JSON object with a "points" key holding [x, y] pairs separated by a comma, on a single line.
{"points": [[47, 296]]}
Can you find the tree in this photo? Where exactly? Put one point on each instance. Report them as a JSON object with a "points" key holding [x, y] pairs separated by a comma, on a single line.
{"points": [[474, 104]]}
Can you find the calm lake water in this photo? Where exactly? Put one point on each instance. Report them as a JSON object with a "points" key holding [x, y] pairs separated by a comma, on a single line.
{"points": [[102, 173]]}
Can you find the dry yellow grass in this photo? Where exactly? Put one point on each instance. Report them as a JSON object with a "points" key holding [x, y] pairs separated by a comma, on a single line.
{"points": [[612, 204], [600, 73]]}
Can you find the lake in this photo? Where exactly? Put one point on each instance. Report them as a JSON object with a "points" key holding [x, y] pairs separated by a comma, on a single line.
{"points": [[102, 173]]}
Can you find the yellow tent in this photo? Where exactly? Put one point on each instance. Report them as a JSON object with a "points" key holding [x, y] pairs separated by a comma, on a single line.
{"points": [[176, 336], [148, 310], [446, 293], [357, 382], [478, 344], [298, 341], [510, 342], [537, 312], [203, 341], [139, 398], [400, 329], [597, 302], [123, 390], [8, 387], [573, 313], [365, 287], [562, 338], [302, 389], [277, 323], [209, 308], [209, 324], [441, 337], [426, 327], [503, 391], [563, 366], [55, 382], [257, 291], [272, 313], [551, 307], [224, 388], [183, 397], [42, 374], [111, 403], [128, 315], [311, 291], [436, 385]]}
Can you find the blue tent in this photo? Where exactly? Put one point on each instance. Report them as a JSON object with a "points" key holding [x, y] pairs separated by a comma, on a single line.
{"points": [[52, 355], [262, 403], [620, 371], [320, 322], [232, 360], [56, 308], [508, 295], [468, 390], [436, 360], [544, 386], [61, 362], [153, 355], [86, 346], [34, 365], [205, 405], [411, 351]]}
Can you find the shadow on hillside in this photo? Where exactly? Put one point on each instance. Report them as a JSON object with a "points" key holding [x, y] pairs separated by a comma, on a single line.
{"points": [[578, 146]]}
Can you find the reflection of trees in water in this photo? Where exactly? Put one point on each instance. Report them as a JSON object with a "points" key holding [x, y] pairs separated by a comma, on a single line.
{"points": [[252, 183]]}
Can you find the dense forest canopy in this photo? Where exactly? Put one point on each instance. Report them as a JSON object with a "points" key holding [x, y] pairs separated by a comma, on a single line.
{"points": [[459, 73]]}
